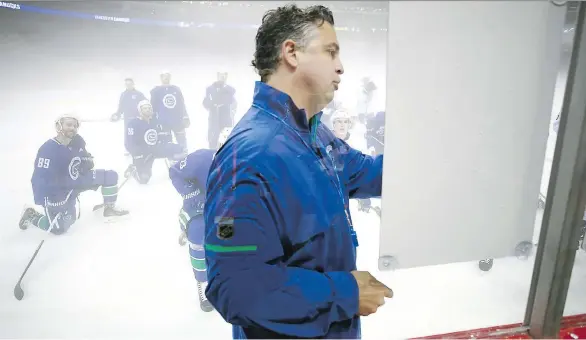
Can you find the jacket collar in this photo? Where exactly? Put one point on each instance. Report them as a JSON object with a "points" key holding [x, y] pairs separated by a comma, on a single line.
{"points": [[279, 103]]}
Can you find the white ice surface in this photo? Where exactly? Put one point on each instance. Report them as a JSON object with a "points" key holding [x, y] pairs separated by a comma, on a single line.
{"points": [[131, 280]]}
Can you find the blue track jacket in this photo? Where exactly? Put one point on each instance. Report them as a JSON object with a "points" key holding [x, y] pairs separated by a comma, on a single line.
{"points": [[280, 244]]}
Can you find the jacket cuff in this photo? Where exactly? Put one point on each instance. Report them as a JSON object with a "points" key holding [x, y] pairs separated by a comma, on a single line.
{"points": [[345, 294]]}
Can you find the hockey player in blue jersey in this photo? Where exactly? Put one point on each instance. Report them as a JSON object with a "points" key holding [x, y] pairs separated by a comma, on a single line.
{"points": [[146, 141], [169, 104], [341, 125], [220, 103], [129, 99], [63, 169], [189, 179], [375, 133]]}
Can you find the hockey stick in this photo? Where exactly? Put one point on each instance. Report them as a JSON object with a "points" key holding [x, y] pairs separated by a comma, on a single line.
{"points": [[127, 177], [18, 291]]}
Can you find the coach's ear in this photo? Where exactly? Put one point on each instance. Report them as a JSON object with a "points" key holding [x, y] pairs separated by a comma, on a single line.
{"points": [[289, 50]]}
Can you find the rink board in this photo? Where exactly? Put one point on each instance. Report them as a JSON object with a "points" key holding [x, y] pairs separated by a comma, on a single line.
{"points": [[470, 89]]}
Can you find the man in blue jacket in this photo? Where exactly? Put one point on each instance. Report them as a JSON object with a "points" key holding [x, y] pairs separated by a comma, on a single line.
{"points": [[280, 245]]}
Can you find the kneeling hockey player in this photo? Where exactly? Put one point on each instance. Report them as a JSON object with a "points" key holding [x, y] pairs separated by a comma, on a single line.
{"points": [[189, 179], [146, 141], [64, 169]]}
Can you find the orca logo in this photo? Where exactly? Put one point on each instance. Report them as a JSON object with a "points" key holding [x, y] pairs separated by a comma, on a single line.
{"points": [[182, 164], [74, 168], [169, 101], [151, 137]]}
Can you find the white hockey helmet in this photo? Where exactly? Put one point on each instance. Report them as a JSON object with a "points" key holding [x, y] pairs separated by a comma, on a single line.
{"points": [[341, 114], [63, 116], [142, 103], [224, 134]]}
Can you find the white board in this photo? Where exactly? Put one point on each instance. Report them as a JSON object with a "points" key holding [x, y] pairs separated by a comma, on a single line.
{"points": [[470, 89]]}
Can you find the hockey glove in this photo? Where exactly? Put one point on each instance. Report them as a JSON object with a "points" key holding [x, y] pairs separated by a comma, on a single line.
{"points": [[87, 163], [186, 122], [364, 205], [115, 117], [130, 171]]}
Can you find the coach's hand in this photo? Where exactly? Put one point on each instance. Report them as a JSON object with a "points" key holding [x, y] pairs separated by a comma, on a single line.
{"points": [[372, 292]]}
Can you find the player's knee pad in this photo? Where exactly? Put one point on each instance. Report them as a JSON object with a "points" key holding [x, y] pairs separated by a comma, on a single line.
{"points": [[105, 177], [196, 230], [110, 178]]}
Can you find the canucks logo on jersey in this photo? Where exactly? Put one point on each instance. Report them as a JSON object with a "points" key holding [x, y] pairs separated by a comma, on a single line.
{"points": [[151, 136], [74, 165], [169, 101]]}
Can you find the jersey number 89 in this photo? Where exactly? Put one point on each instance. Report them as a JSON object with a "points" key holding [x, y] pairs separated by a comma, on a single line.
{"points": [[43, 163]]}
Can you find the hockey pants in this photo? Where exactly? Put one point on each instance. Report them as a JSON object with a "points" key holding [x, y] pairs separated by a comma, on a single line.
{"points": [[144, 164], [176, 129], [63, 215]]}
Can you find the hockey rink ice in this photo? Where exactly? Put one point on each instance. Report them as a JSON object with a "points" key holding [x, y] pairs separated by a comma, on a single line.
{"points": [[131, 280]]}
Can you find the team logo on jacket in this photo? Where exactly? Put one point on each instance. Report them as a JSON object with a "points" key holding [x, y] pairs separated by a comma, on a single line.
{"points": [[169, 101], [381, 131], [74, 168], [151, 136]]}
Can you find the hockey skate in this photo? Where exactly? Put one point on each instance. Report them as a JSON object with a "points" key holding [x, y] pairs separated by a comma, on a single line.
{"points": [[204, 304], [29, 217], [110, 212]]}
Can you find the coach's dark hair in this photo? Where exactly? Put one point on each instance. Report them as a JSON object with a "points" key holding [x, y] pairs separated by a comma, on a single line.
{"points": [[278, 25]]}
